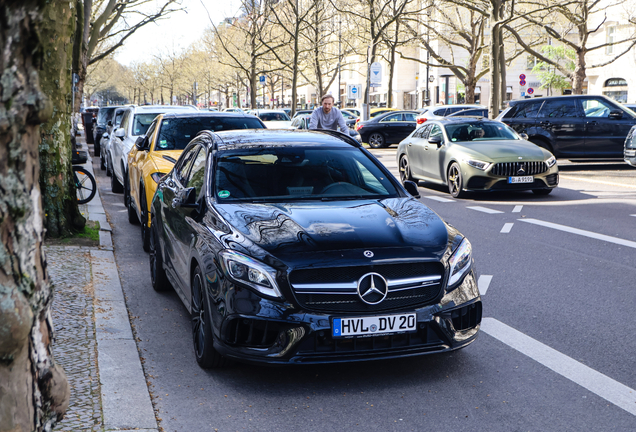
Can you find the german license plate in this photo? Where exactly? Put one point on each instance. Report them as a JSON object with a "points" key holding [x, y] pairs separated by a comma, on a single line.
{"points": [[524, 179], [374, 325]]}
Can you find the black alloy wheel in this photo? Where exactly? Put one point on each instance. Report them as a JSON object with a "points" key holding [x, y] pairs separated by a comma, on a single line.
{"points": [[143, 211], [376, 140], [109, 166], [202, 335], [455, 182], [102, 162], [132, 214], [115, 185], [541, 191], [158, 276], [405, 169], [96, 148]]}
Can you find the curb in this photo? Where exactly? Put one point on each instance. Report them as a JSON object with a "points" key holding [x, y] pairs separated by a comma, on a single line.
{"points": [[126, 403]]}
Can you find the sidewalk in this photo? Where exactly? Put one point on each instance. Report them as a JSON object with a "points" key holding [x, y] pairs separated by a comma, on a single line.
{"points": [[94, 342]]}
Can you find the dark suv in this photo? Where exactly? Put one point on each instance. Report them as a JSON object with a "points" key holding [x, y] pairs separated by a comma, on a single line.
{"points": [[574, 127]]}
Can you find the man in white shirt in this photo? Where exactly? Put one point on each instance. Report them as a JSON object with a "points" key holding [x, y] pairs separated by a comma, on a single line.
{"points": [[327, 116]]}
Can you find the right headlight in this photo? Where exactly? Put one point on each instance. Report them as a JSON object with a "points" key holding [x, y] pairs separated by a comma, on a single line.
{"points": [[550, 162], [460, 262], [247, 271]]}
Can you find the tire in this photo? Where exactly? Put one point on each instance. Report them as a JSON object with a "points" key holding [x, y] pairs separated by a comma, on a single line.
{"points": [[85, 184], [115, 185], [132, 214], [102, 162], [202, 336], [158, 278], [96, 148], [143, 211], [542, 191], [405, 169], [376, 140], [455, 181], [109, 167]]}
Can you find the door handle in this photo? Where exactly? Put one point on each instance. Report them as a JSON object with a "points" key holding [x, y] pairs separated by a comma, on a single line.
{"points": [[426, 147]]}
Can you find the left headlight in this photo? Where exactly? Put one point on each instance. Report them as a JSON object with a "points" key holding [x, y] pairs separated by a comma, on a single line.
{"points": [[247, 271], [460, 262], [478, 164], [550, 162]]}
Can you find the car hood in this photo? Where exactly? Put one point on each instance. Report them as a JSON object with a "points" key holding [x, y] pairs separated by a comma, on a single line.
{"points": [[289, 231], [280, 124], [161, 159], [504, 151]]}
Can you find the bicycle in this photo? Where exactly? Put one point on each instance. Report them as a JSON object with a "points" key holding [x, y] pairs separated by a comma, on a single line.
{"points": [[85, 184]]}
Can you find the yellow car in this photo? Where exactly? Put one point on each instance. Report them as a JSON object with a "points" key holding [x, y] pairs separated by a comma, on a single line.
{"points": [[155, 154]]}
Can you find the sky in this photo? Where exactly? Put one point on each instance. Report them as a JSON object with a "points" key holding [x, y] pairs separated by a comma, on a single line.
{"points": [[178, 31]]}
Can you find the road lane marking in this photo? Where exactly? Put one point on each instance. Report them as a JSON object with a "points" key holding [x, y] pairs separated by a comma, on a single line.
{"points": [[599, 384], [633, 215], [485, 210], [506, 228], [440, 199], [483, 283], [121, 211], [583, 233], [517, 209], [596, 181]]}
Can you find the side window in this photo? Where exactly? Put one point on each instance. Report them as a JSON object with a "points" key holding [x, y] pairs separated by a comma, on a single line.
{"points": [[526, 110], [125, 121], [423, 131], [184, 164], [151, 131], [392, 118], [596, 108], [196, 176], [440, 112], [409, 117], [295, 123], [558, 108], [436, 130]]}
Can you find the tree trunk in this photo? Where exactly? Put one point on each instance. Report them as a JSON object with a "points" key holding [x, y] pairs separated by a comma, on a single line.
{"points": [[62, 215], [34, 392], [495, 88], [579, 74]]}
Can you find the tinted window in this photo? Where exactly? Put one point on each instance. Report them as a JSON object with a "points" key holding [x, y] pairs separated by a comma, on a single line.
{"points": [[105, 114], [558, 108], [296, 173], [274, 116], [392, 118], [119, 114], [409, 116], [440, 112], [596, 108], [348, 116], [436, 130], [176, 133], [525, 110], [422, 132], [184, 164], [196, 176]]}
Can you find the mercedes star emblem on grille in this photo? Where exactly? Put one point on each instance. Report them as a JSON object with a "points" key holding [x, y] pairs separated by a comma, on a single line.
{"points": [[368, 254], [372, 288], [522, 169]]}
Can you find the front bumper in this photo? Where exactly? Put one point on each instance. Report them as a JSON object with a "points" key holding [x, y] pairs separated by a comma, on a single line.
{"points": [[477, 180], [284, 335], [630, 156]]}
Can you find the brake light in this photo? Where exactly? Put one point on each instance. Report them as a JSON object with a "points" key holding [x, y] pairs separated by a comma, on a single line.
{"points": [[420, 120], [359, 126]]}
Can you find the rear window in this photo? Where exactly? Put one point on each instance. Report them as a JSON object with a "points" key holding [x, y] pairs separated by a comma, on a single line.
{"points": [[274, 116], [297, 173], [104, 115], [176, 133]]}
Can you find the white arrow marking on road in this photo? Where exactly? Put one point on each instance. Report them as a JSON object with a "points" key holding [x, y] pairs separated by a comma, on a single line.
{"points": [[485, 210], [599, 384], [633, 215], [581, 232], [440, 199], [517, 209], [483, 283], [506, 228]]}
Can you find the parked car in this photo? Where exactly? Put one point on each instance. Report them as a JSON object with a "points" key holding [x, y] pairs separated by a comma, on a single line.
{"points": [[573, 126], [472, 112], [329, 260], [104, 117], [302, 121], [287, 111], [135, 123], [89, 114], [374, 112], [439, 111], [108, 136], [387, 128], [233, 110], [629, 152], [302, 112], [356, 112], [350, 118], [154, 155], [475, 154], [273, 119]]}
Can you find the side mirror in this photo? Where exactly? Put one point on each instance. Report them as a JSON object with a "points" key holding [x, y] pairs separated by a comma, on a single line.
{"points": [[120, 133], [141, 143], [110, 123], [186, 198], [524, 136], [616, 114], [411, 187], [437, 140]]}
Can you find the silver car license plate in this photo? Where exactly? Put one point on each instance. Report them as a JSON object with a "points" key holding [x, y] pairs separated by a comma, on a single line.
{"points": [[524, 179], [374, 325]]}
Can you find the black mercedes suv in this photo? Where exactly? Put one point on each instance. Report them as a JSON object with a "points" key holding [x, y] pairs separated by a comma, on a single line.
{"points": [[300, 247], [572, 127]]}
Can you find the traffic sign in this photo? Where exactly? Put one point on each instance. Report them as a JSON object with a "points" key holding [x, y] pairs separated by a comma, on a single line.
{"points": [[522, 83], [376, 73], [530, 90], [523, 94], [262, 79], [522, 76], [353, 91]]}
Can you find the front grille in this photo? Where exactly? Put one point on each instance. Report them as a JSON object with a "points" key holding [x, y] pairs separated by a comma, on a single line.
{"points": [[322, 342], [513, 168], [335, 290]]}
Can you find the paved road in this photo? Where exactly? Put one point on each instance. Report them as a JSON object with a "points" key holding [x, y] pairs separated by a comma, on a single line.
{"points": [[556, 351]]}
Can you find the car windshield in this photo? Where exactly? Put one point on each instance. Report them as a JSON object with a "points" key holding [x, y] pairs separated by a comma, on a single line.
{"points": [[479, 131], [296, 173], [176, 133], [105, 114], [274, 116]]}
